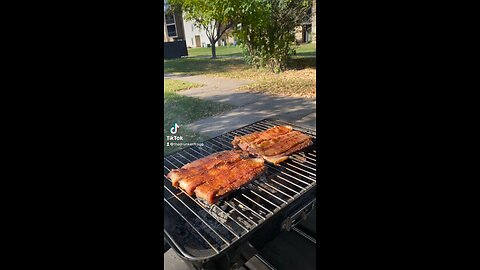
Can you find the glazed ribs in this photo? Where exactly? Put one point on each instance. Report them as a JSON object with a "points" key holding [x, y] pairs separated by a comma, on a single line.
{"points": [[230, 179], [200, 166], [275, 144], [214, 176]]}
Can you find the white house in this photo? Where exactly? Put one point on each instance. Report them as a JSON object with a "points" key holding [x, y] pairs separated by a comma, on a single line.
{"points": [[197, 37]]}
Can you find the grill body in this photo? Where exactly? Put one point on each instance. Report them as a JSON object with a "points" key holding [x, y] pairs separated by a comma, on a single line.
{"points": [[226, 235]]}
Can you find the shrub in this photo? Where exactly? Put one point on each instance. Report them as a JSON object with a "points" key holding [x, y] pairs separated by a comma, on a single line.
{"points": [[267, 29]]}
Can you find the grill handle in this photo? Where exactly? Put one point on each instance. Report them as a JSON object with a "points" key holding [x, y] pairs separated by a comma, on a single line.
{"points": [[298, 216]]}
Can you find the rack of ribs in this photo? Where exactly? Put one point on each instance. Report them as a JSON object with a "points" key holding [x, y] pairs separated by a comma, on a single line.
{"points": [[215, 176], [275, 144]]}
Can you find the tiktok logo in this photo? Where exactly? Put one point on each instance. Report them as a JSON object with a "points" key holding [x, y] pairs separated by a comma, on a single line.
{"points": [[174, 129]]}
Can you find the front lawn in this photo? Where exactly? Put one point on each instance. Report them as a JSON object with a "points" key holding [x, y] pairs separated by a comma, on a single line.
{"points": [[221, 51], [307, 49], [299, 80], [184, 110]]}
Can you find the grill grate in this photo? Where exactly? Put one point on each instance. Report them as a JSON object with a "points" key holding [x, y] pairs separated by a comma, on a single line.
{"points": [[199, 230]]}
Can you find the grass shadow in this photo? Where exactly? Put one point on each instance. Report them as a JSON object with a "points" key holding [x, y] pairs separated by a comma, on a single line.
{"points": [[303, 54], [302, 63], [219, 56], [197, 66]]}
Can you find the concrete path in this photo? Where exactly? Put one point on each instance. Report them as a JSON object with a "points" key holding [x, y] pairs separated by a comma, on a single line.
{"points": [[251, 107], [308, 120], [217, 89], [288, 109]]}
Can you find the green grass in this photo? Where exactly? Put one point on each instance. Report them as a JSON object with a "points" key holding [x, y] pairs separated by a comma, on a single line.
{"points": [[226, 67], [308, 49], [184, 110], [198, 66], [221, 51], [171, 86]]}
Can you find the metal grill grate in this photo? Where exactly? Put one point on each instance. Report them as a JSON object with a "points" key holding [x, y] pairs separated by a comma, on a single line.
{"points": [[200, 231]]}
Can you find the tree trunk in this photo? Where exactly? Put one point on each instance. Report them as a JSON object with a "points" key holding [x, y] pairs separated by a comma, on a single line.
{"points": [[214, 52], [314, 21]]}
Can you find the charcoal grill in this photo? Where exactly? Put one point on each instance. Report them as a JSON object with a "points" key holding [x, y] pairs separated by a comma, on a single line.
{"points": [[229, 233]]}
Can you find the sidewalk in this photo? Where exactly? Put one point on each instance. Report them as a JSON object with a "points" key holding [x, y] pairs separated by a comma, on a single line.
{"points": [[251, 107], [216, 89]]}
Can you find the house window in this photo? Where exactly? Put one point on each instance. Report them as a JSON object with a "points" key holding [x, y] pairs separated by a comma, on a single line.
{"points": [[170, 23], [169, 19], [171, 30]]}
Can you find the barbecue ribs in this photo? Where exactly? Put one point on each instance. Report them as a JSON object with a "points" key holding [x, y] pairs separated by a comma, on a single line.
{"points": [[199, 166], [214, 176], [275, 144]]}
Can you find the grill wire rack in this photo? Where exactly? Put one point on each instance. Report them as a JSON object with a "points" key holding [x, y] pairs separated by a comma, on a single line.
{"points": [[199, 231]]}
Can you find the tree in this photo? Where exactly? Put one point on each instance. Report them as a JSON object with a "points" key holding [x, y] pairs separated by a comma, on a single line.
{"points": [[265, 27], [314, 23], [214, 16], [267, 30]]}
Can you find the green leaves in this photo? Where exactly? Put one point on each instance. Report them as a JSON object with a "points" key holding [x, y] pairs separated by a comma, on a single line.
{"points": [[268, 30], [267, 26], [215, 16]]}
